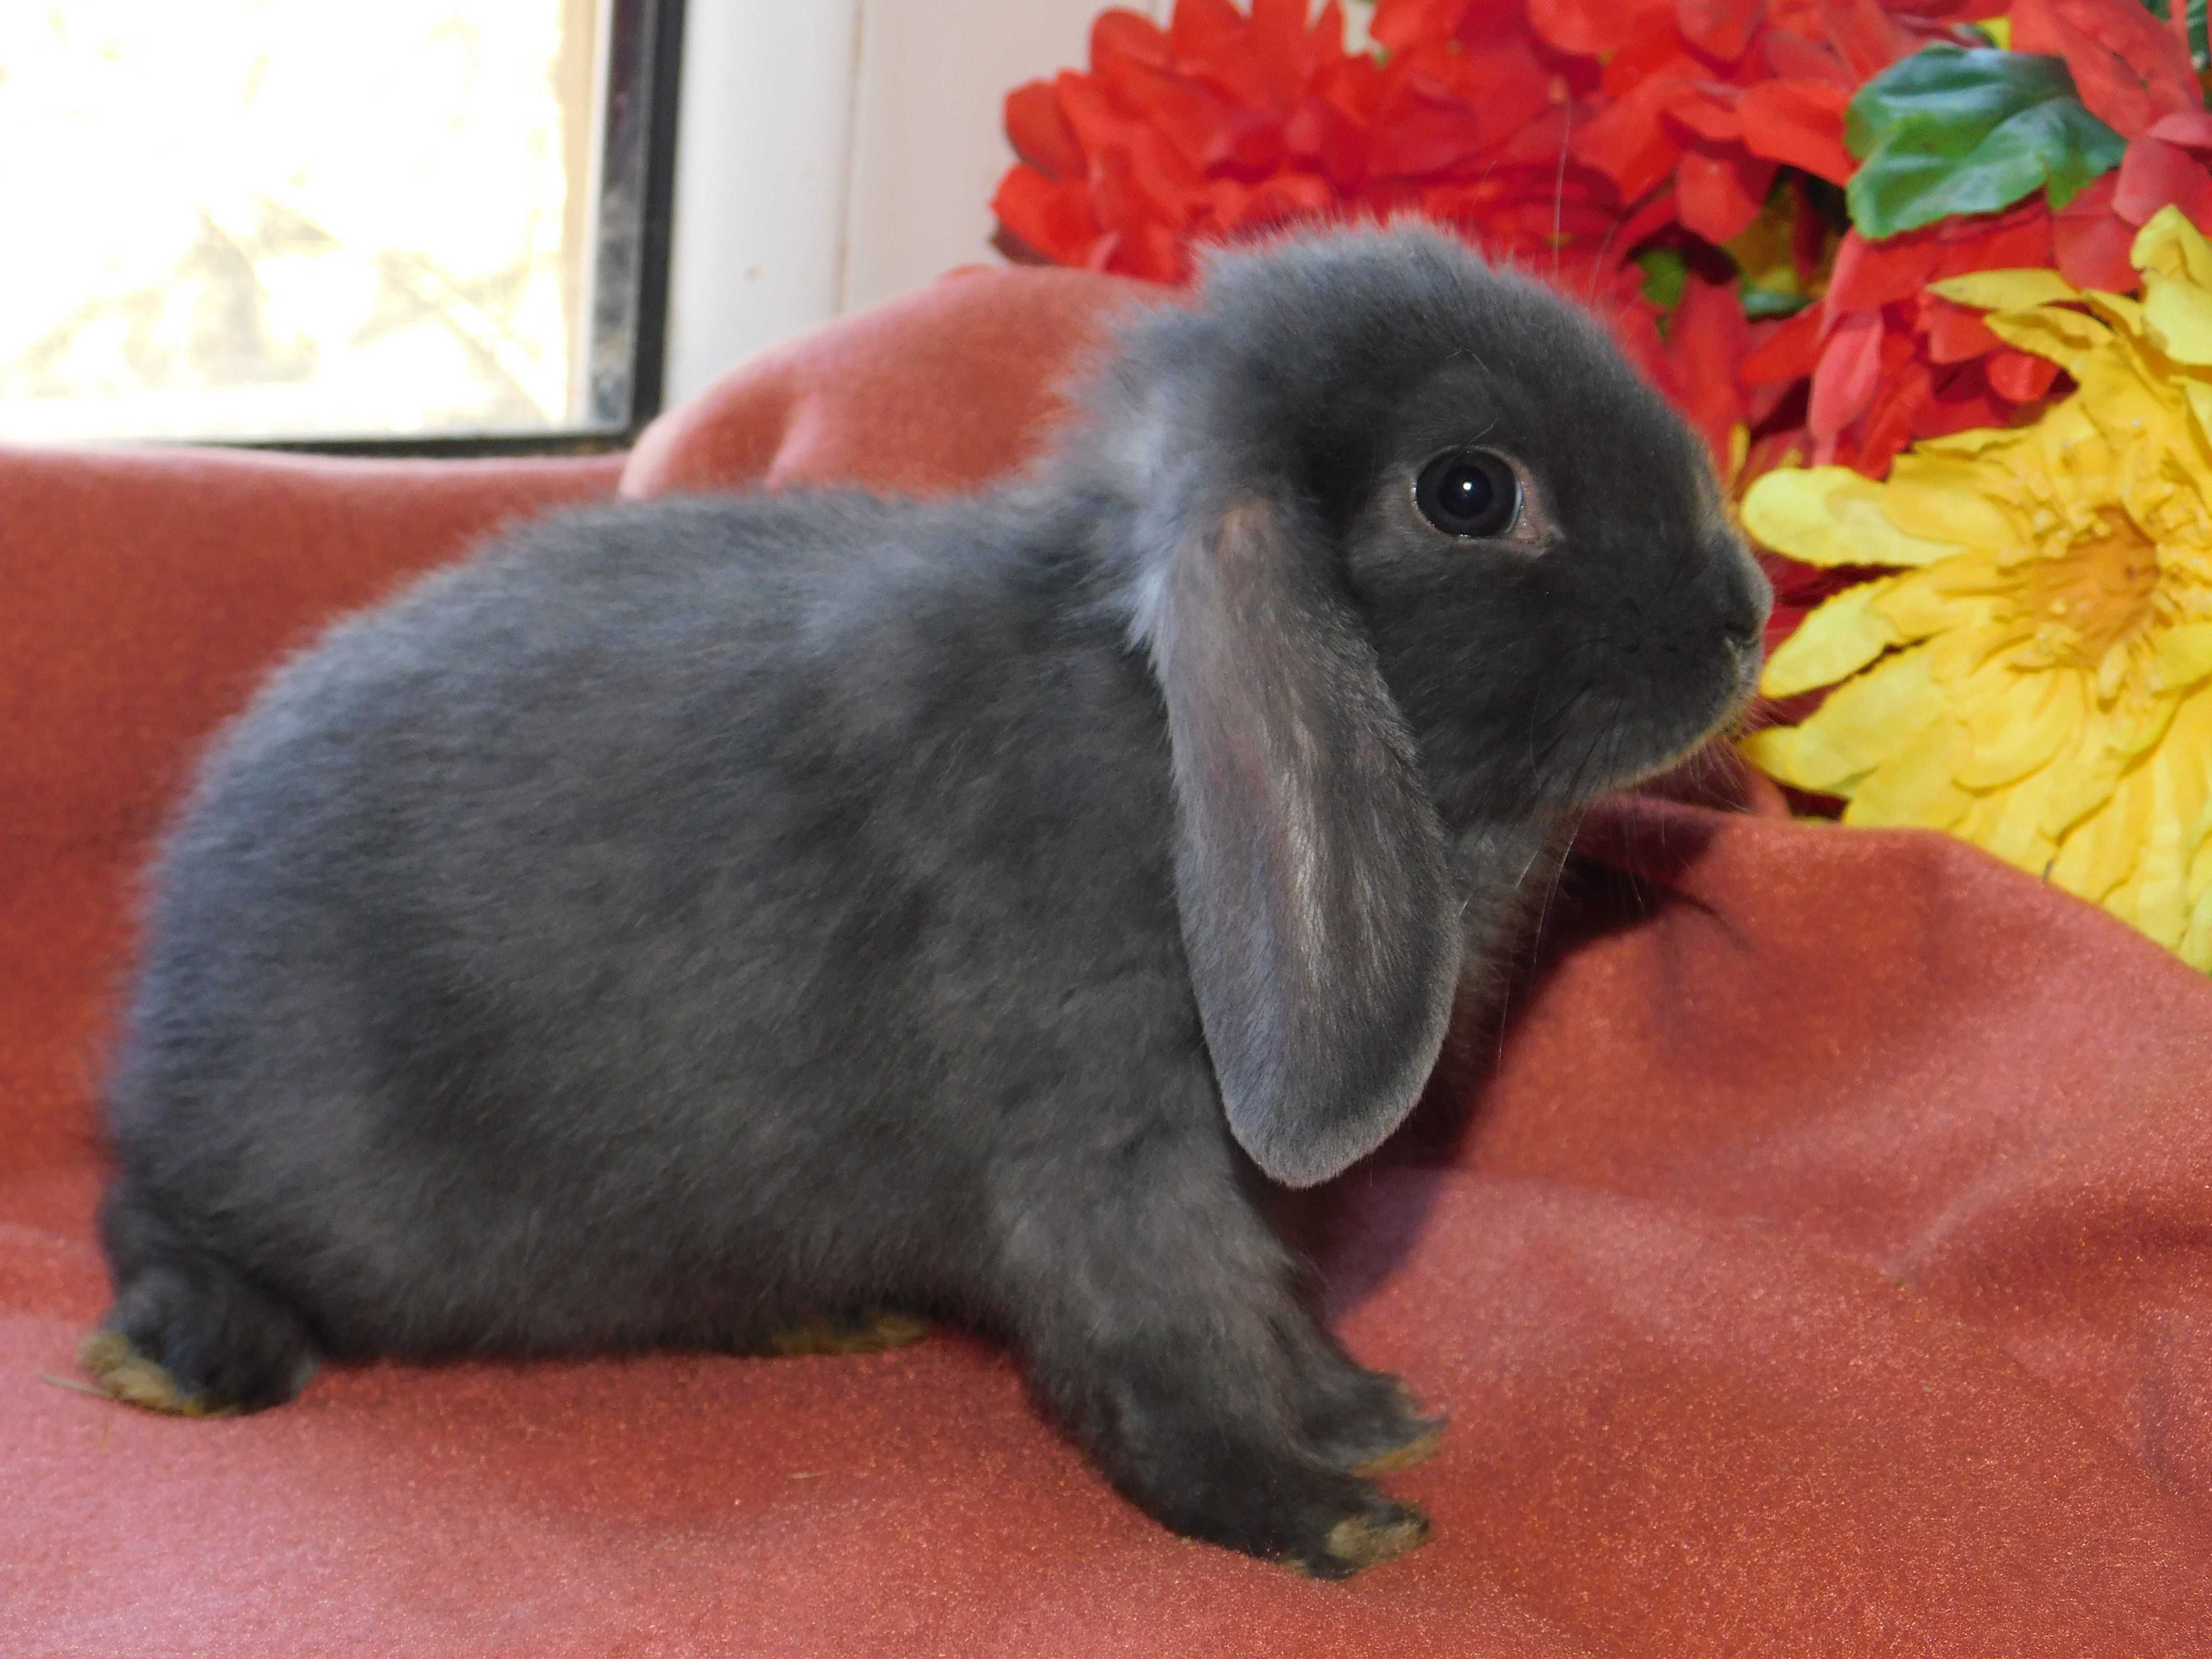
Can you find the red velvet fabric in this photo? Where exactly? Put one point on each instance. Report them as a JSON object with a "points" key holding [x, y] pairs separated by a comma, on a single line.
{"points": [[1817, 1264]]}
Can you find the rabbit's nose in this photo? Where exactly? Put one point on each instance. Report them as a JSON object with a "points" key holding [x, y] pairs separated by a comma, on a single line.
{"points": [[1743, 616]]}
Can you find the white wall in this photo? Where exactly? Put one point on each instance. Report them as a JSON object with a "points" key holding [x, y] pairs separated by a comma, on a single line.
{"points": [[834, 153]]}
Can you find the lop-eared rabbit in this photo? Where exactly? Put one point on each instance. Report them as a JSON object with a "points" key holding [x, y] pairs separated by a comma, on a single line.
{"points": [[685, 922]]}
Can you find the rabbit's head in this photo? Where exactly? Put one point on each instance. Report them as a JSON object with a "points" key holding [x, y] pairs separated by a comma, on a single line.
{"points": [[1416, 555]]}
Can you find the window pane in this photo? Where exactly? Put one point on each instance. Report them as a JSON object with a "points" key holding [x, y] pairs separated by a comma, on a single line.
{"points": [[279, 218]]}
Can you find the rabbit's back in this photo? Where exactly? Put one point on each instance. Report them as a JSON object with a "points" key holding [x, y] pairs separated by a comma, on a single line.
{"points": [[605, 933]]}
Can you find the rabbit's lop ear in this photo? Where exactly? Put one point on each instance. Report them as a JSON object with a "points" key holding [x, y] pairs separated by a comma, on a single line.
{"points": [[1310, 864]]}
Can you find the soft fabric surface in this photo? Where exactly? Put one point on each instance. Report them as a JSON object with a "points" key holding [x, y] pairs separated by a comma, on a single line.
{"points": [[1820, 1262]]}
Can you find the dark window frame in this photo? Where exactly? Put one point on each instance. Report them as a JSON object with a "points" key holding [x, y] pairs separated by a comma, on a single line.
{"points": [[628, 338]]}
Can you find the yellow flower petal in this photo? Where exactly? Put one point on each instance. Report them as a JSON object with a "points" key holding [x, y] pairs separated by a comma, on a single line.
{"points": [[2178, 316], [2169, 244], [1863, 723], [2006, 290], [2179, 787], [1840, 637], [1944, 498], [1829, 515], [2196, 946], [2184, 655], [2012, 824], [2083, 787], [2134, 726], [1914, 787], [2200, 405], [2072, 341], [2019, 733], [2038, 676]]}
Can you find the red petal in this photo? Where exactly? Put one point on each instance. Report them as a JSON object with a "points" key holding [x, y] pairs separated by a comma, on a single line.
{"points": [[1278, 45], [1962, 402], [1953, 333], [1419, 138], [1705, 342], [1593, 28], [2091, 243], [1151, 249], [1051, 217], [1248, 141], [1719, 192], [1091, 115], [1287, 196], [1862, 33], [1628, 142], [1875, 273], [2019, 377], [2128, 68], [2155, 172], [1130, 36], [2018, 238], [1206, 29], [1790, 351], [1654, 54], [1800, 123], [1844, 379], [1322, 135], [1654, 214], [2191, 129], [1707, 117], [1040, 133], [1194, 118], [1504, 89], [1722, 28], [1397, 24], [1905, 395], [1325, 41], [1794, 57]]}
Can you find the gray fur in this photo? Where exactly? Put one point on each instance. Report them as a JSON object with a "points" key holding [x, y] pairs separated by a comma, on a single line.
{"points": [[688, 920]]}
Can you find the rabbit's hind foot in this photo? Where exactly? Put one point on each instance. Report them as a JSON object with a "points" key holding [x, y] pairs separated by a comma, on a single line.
{"points": [[189, 1333], [125, 1374]]}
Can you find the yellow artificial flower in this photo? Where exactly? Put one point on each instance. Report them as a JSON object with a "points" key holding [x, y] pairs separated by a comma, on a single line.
{"points": [[2036, 676]]}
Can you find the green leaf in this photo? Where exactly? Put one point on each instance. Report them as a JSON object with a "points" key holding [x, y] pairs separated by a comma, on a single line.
{"points": [[1666, 274], [2194, 11], [1759, 303], [1950, 131]]}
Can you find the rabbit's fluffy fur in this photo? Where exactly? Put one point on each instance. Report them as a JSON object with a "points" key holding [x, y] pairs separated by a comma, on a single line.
{"points": [[690, 919]]}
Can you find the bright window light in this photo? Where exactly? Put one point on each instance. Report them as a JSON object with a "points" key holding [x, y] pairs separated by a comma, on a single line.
{"points": [[265, 219]]}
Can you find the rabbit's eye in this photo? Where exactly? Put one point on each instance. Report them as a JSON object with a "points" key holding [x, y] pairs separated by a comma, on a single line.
{"points": [[1469, 492]]}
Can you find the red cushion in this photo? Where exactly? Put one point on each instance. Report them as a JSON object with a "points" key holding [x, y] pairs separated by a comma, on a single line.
{"points": [[935, 393], [1819, 1264]]}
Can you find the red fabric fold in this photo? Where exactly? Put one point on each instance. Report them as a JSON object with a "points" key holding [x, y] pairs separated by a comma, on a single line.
{"points": [[1816, 1260]]}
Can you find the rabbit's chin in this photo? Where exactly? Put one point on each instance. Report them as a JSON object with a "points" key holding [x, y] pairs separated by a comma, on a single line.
{"points": [[1666, 753]]}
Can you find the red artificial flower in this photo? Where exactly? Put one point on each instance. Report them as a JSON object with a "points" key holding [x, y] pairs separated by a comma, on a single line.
{"points": [[1223, 124], [1217, 124], [1894, 363], [1716, 94], [1567, 135], [2133, 73], [1891, 364]]}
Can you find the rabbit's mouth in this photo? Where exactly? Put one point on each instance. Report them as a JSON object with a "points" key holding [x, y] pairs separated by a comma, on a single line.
{"points": [[1654, 726]]}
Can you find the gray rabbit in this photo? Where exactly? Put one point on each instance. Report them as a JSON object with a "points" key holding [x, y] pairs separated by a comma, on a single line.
{"points": [[691, 921]]}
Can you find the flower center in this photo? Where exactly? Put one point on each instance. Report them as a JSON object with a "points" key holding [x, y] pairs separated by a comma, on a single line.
{"points": [[2093, 596]]}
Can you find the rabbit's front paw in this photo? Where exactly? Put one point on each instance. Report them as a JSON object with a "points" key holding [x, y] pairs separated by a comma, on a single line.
{"points": [[1376, 1534], [1372, 1425], [1277, 1503]]}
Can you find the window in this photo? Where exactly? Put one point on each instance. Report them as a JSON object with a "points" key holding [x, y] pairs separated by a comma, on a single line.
{"points": [[274, 220]]}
